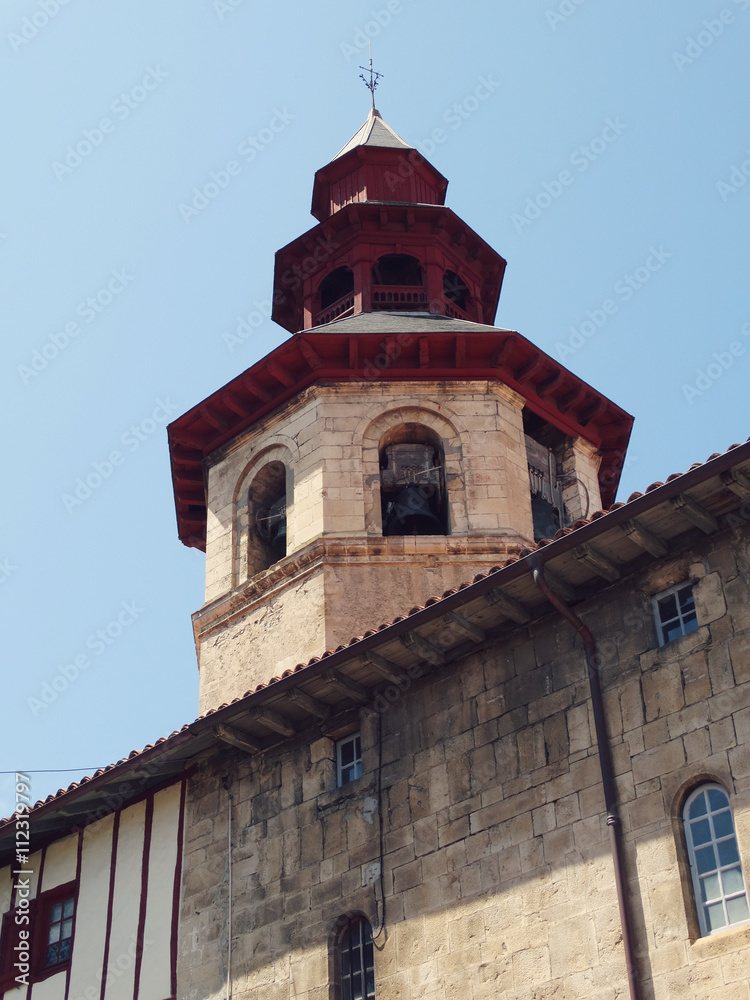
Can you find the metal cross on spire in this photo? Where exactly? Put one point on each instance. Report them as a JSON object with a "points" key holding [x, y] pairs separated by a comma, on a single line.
{"points": [[372, 83]]}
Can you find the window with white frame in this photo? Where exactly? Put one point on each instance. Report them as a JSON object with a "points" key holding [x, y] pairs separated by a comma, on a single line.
{"points": [[718, 882], [674, 611], [348, 759]]}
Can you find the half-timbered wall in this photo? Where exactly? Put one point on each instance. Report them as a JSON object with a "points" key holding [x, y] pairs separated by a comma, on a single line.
{"points": [[124, 872]]}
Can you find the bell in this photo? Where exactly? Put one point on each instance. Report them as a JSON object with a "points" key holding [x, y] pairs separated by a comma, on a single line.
{"points": [[410, 514], [270, 523], [278, 537], [277, 526], [545, 519]]}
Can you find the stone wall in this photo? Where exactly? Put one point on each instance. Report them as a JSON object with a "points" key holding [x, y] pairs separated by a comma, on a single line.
{"points": [[329, 436], [496, 865]]}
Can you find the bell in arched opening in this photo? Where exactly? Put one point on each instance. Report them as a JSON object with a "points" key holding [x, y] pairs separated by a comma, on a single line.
{"points": [[270, 523], [267, 498], [412, 489]]}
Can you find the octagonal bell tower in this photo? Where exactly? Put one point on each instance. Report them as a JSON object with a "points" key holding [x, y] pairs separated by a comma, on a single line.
{"points": [[393, 446]]}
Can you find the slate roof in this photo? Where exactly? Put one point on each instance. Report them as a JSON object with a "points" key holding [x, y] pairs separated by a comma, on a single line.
{"points": [[374, 132], [405, 323]]}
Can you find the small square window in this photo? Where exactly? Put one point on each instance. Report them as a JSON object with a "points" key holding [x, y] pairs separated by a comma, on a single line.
{"points": [[674, 611], [59, 932], [348, 759]]}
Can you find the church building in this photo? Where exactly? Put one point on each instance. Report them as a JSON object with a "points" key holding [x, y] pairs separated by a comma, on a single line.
{"points": [[469, 727]]}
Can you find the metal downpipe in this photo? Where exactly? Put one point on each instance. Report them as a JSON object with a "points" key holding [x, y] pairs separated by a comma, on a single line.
{"points": [[607, 770]]}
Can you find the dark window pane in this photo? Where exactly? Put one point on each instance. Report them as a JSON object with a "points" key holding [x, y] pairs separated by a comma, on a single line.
{"points": [[698, 806], [686, 600], [55, 913], [52, 955], [668, 608], [64, 950], [68, 907], [705, 860], [723, 824], [701, 831], [728, 853], [717, 799]]}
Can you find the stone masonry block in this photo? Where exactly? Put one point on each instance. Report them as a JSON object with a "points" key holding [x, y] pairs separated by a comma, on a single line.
{"points": [[709, 599], [739, 650], [658, 761], [696, 677], [662, 692]]}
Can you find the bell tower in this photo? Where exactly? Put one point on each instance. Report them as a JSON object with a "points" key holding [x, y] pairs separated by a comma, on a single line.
{"points": [[396, 444]]}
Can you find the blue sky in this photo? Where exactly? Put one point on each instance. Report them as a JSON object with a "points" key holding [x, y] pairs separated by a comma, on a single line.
{"points": [[603, 150]]}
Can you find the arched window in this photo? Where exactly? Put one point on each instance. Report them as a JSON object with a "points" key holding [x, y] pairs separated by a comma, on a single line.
{"points": [[355, 971], [718, 882], [335, 286], [412, 482], [397, 269], [455, 290], [267, 501]]}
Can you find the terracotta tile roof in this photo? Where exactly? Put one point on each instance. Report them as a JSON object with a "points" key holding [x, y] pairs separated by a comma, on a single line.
{"points": [[597, 516]]}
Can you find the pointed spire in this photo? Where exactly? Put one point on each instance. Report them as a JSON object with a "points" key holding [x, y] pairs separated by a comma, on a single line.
{"points": [[374, 132], [372, 83]]}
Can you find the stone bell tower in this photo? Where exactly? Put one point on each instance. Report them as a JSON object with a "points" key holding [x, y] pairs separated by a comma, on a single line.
{"points": [[396, 444]]}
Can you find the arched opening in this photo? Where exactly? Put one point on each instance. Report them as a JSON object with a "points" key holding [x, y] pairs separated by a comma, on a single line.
{"points": [[335, 286], [455, 290], [720, 892], [412, 482], [353, 960], [267, 502], [397, 269], [398, 283], [544, 448]]}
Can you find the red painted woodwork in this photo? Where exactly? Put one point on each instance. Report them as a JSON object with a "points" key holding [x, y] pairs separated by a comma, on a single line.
{"points": [[379, 199], [550, 390]]}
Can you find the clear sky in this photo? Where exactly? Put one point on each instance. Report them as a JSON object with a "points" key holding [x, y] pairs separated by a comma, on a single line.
{"points": [[602, 149]]}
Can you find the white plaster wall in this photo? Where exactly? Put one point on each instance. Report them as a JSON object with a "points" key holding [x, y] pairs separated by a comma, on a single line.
{"points": [[127, 898], [50, 989], [91, 913], [156, 982], [60, 862]]}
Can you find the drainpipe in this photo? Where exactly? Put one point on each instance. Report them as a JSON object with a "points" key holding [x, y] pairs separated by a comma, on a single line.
{"points": [[230, 797], [608, 776]]}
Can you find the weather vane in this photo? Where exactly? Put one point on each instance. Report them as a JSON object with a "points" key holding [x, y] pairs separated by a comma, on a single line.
{"points": [[372, 83]]}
